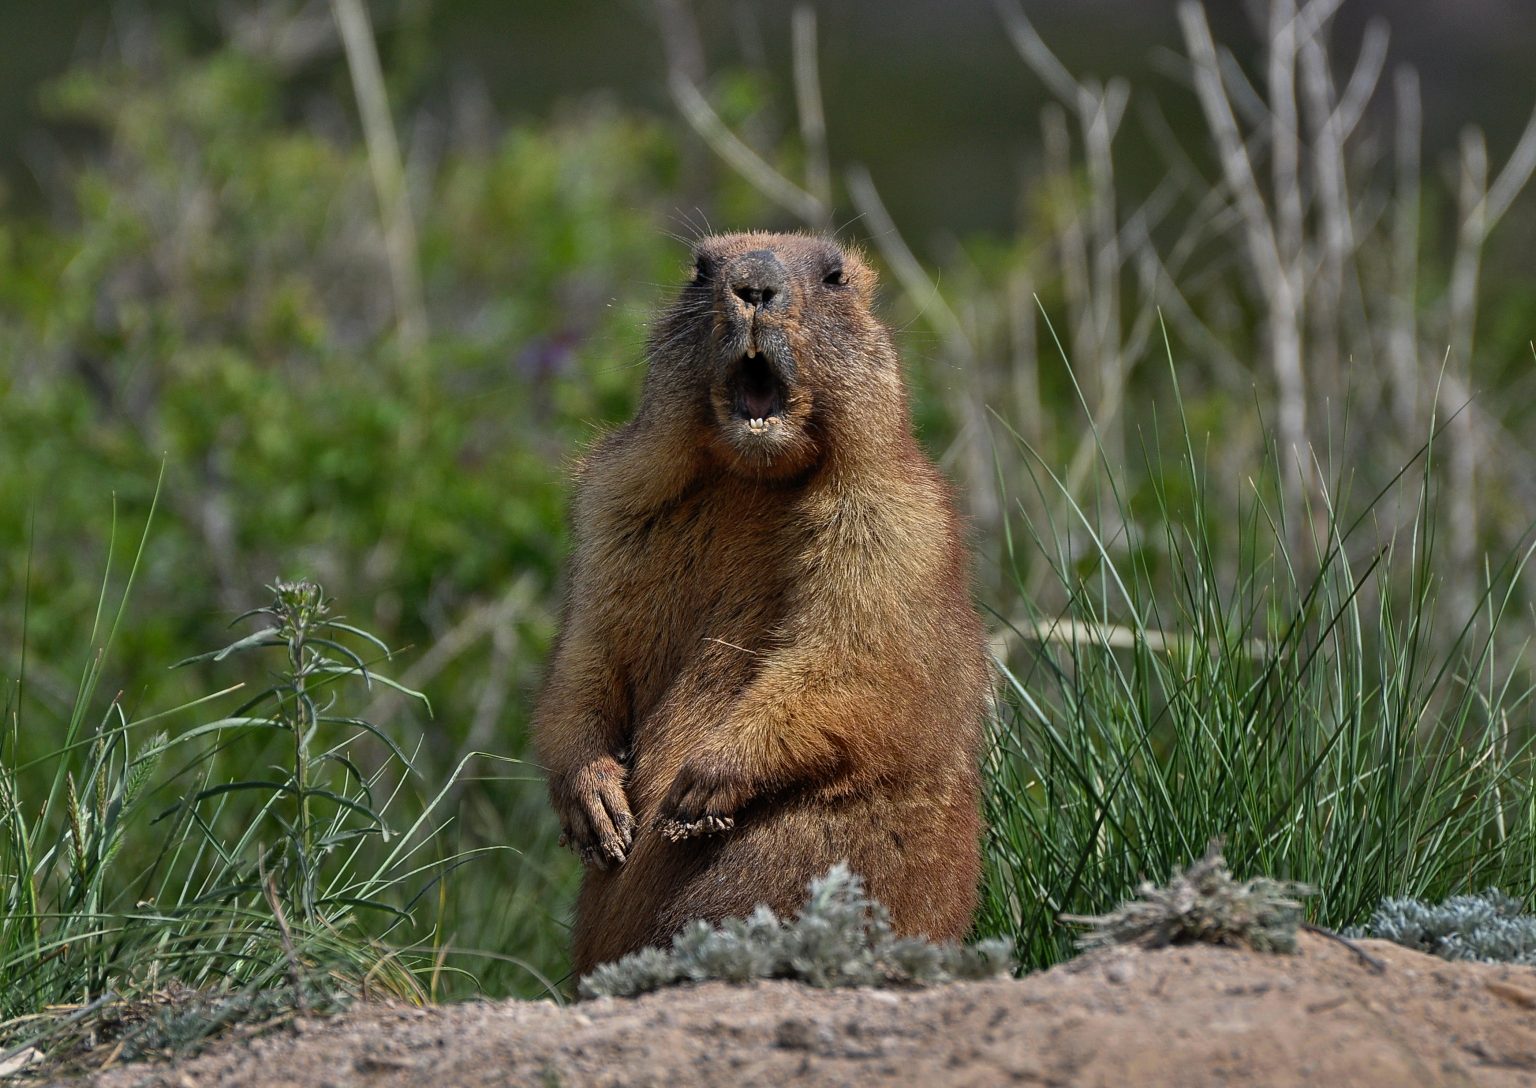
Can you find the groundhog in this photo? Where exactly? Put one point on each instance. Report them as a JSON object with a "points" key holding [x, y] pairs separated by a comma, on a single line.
{"points": [[770, 661]]}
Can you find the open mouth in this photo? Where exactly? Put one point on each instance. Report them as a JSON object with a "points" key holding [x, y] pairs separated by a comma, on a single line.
{"points": [[759, 396]]}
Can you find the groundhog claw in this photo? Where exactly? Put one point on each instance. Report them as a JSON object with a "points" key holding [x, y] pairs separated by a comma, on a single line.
{"points": [[678, 830], [594, 813]]}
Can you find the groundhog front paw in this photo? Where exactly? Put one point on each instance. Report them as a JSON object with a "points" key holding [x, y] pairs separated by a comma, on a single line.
{"points": [[595, 820], [702, 801]]}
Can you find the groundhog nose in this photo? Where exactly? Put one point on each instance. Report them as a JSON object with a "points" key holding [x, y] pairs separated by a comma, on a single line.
{"points": [[757, 278]]}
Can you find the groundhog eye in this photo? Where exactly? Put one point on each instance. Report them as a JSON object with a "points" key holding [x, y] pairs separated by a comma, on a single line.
{"points": [[834, 278]]}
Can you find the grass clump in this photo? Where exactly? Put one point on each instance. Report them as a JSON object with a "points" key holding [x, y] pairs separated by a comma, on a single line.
{"points": [[1490, 927], [1203, 904], [1173, 672], [841, 937], [150, 901]]}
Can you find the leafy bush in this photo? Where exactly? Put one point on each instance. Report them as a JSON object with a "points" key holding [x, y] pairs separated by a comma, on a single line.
{"points": [[841, 937]]}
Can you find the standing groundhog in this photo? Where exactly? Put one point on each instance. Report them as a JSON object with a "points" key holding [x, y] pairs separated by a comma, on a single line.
{"points": [[770, 661]]}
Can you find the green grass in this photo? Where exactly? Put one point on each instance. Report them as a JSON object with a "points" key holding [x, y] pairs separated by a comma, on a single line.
{"points": [[250, 352], [1316, 707], [150, 901]]}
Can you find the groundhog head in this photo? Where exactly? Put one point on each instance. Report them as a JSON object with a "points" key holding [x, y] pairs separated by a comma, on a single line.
{"points": [[772, 347]]}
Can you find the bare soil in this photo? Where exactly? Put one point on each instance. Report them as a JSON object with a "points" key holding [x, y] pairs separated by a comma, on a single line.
{"points": [[1188, 1016]]}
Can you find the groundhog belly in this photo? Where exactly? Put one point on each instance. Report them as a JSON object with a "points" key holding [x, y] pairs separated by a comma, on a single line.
{"points": [[918, 852]]}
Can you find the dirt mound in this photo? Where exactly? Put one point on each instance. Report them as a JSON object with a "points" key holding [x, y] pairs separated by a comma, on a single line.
{"points": [[1182, 1016]]}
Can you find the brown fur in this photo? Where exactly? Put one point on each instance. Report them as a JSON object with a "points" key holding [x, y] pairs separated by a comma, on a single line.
{"points": [[770, 661]]}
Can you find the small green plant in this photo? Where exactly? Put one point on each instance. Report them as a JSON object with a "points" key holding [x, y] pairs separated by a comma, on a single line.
{"points": [[1203, 904], [329, 800], [841, 937], [1491, 927], [297, 899]]}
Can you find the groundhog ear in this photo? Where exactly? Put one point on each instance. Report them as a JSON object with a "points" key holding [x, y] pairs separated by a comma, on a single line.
{"points": [[861, 273]]}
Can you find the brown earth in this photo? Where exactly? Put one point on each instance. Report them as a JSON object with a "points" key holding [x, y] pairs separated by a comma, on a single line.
{"points": [[1183, 1016]]}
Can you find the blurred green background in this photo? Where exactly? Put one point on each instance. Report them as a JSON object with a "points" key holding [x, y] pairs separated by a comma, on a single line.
{"points": [[199, 271], [922, 92]]}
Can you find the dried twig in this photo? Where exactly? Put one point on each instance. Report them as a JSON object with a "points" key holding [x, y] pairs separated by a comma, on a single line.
{"points": [[1269, 242], [385, 163], [1373, 962], [813, 122], [1402, 338], [295, 972]]}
